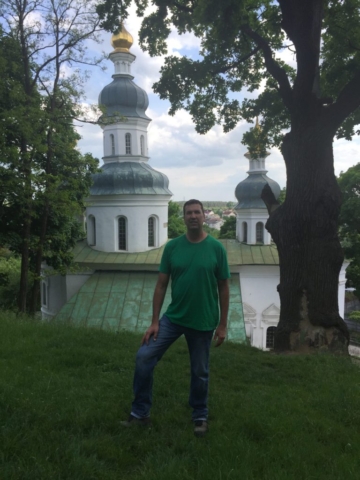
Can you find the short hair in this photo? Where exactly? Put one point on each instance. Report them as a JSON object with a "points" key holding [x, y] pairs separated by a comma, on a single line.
{"points": [[191, 202]]}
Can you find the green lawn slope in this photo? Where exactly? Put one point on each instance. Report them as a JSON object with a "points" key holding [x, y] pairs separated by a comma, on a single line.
{"points": [[63, 392]]}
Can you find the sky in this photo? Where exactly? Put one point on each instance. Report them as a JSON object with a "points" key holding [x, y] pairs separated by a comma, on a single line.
{"points": [[207, 167]]}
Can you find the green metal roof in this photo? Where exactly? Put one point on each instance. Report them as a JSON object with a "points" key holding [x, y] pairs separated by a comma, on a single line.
{"points": [[248, 192], [129, 178], [123, 300], [238, 254]]}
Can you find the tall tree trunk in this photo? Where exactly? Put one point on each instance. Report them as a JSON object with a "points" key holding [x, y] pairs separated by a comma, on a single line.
{"points": [[24, 264], [26, 229], [35, 292], [304, 229]]}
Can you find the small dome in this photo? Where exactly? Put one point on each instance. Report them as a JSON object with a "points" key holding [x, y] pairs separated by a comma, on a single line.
{"points": [[129, 178], [123, 97], [122, 41], [248, 192]]}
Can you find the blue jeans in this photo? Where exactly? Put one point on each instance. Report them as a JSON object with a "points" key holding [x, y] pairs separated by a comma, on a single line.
{"points": [[148, 356]]}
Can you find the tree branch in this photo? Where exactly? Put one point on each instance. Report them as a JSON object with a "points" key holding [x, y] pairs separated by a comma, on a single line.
{"points": [[236, 64], [272, 66], [183, 8], [347, 102]]}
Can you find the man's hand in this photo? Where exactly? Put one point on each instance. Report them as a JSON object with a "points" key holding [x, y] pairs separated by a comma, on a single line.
{"points": [[152, 330], [219, 336]]}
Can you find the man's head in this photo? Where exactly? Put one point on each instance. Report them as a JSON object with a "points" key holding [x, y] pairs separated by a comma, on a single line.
{"points": [[191, 202], [194, 216]]}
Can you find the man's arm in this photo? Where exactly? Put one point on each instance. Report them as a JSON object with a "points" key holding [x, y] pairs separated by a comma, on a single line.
{"points": [[158, 300], [220, 332]]}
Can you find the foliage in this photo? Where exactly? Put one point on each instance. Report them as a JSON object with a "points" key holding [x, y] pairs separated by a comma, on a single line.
{"points": [[176, 226], [282, 195], [64, 391], [9, 282], [349, 183], [43, 175], [211, 231], [228, 229], [355, 315]]}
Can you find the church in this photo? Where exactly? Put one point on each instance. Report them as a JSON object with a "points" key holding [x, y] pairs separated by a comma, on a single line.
{"points": [[126, 219]]}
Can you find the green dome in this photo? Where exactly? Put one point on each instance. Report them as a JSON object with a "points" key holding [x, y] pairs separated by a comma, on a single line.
{"points": [[123, 97], [248, 192], [134, 178]]}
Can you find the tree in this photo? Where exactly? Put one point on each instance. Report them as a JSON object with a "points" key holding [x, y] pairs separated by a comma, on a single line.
{"points": [[349, 183], [51, 35], [176, 225], [228, 229], [211, 231], [301, 108]]}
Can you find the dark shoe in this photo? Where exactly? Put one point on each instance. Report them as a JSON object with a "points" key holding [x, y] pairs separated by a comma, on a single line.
{"points": [[200, 428], [133, 422]]}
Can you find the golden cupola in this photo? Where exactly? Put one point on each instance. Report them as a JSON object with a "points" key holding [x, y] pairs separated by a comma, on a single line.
{"points": [[122, 41]]}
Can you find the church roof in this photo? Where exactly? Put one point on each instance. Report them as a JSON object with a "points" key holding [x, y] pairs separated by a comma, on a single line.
{"points": [[248, 192], [123, 301], [134, 178], [238, 254], [123, 97]]}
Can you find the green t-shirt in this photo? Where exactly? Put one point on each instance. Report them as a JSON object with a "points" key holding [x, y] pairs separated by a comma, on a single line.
{"points": [[195, 269]]}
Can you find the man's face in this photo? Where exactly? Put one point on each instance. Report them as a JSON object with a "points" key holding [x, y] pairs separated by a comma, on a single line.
{"points": [[194, 217]]}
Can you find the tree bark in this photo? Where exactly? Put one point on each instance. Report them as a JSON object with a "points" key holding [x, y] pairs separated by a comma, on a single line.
{"points": [[304, 229]]}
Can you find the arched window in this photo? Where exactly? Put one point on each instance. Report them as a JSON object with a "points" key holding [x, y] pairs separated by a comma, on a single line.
{"points": [[122, 233], [142, 145], [128, 144], [112, 141], [270, 337], [244, 232], [151, 232], [259, 232], [91, 230]]}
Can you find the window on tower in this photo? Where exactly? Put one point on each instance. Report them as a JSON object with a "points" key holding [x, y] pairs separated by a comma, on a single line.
{"points": [[122, 233], [142, 145], [259, 232], [112, 141], [128, 144], [151, 232], [244, 232], [91, 230]]}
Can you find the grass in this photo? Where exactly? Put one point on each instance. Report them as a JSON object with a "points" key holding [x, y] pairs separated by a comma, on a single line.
{"points": [[64, 390]]}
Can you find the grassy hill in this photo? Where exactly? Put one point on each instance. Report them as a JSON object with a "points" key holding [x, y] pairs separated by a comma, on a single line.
{"points": [[64, 390]]}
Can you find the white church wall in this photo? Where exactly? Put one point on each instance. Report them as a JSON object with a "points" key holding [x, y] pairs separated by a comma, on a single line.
{"points": [[252, 217], [341, 291], [53, 295], [56, 290], [136, 127], [136, 209], [261, 302], [258, 290]]}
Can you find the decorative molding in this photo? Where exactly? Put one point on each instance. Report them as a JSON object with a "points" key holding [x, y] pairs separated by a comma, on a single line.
{"points": [[271, 315], [249, 314]]}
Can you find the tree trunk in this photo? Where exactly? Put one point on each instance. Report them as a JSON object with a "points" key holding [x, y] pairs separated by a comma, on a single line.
{"points": [[26, 229], [24, 265], [304, 229], [35, 292]]}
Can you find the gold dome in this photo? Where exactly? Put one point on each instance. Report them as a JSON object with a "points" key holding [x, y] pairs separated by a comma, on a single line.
{"points": [[122, 41]]}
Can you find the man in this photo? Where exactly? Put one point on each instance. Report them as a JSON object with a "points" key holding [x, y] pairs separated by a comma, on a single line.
{"points": [[197, 266]]}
